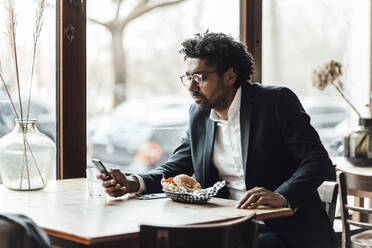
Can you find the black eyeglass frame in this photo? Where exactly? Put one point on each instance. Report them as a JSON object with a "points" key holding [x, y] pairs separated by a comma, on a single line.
{"points": [[187, 80]]}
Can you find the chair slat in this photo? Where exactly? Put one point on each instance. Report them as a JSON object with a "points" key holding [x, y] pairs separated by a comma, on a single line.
{"points": [[359, 209], [359, 224]]}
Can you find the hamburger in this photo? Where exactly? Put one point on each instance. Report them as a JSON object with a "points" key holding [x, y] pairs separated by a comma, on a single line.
{"points": [[178, 182]]}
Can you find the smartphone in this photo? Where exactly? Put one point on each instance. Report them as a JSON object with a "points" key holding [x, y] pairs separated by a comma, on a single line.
{"points": [[151, 196], [101, 168]]}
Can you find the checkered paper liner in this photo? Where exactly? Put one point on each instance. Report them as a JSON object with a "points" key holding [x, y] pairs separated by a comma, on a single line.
{"points": [[198, 197]]}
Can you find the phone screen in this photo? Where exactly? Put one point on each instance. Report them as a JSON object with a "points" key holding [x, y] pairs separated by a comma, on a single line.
{"points": [[101, 167]]}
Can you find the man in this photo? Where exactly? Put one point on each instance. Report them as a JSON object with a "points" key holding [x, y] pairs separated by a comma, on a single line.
{"points": [[256, 137]]}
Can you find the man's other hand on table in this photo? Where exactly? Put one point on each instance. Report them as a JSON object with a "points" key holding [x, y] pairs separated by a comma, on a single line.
{"points": [[261, 196]]}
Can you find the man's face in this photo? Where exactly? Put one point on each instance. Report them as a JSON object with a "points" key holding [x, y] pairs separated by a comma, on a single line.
{"points": [[212, 93]]}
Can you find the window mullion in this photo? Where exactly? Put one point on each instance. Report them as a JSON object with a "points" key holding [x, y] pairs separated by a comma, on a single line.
{"points": [[71, 90], [251, 32]]}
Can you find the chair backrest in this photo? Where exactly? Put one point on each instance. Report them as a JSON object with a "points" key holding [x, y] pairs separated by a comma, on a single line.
{"points": [[20, 231], [230, 234], [355, 185], [328, 192]]}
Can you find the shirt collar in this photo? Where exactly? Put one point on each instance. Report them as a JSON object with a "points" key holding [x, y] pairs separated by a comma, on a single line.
{"points": [[233, 109]]}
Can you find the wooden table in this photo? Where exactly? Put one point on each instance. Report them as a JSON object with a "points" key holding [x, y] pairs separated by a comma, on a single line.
{"points": [[344, 165], [73, 219]]}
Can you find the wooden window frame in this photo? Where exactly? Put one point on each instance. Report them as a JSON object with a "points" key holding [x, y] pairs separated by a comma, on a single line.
{"points": [[251, 32], [71, 89]]}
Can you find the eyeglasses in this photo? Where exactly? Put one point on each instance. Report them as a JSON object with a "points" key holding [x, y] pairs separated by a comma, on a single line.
{"points": [[198, 78]]}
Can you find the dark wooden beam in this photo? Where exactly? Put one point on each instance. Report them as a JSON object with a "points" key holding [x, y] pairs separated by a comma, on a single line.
{"points": [[71, 89], [251, 32]]}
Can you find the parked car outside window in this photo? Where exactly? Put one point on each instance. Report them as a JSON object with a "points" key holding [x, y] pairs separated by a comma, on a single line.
{"points": [[45, 120], [329, 116], [140, 134]]}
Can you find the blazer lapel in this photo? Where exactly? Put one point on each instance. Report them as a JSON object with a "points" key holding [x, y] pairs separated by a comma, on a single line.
{"points": [[208, 148], [245, 120]]}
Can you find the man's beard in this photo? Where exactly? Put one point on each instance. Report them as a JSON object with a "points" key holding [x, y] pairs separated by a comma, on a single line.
{"points": [[205, 105]]}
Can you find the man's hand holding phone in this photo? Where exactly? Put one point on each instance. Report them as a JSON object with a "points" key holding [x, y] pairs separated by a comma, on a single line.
{"points": [[119, 184], [115, 182]]}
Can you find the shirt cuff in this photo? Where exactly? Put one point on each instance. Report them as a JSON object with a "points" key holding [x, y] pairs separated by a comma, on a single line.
{"points": [[142, 188]]}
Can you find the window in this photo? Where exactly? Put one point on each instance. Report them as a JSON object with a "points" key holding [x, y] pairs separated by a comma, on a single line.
{"points": [[298, 36], [137, 106]]}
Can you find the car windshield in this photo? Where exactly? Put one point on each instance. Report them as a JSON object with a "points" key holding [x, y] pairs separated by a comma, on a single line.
{"points": [[129, 135], [156, 111]]}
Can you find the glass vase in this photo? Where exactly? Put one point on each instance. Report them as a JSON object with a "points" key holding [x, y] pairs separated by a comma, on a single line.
{"points": [[358, 144], [27, 157]]}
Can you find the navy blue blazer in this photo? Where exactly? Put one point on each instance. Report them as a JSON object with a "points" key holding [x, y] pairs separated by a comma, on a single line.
{"points": [[281, 152]]}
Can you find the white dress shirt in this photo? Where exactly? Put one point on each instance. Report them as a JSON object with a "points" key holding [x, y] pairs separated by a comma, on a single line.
{"points": [[227, 150]]}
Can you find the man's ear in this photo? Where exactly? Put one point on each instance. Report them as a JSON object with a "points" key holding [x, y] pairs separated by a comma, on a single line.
{"points": [[230, 76]]}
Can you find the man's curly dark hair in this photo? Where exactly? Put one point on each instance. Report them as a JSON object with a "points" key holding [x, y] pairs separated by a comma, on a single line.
{"points": [[222, 51]]}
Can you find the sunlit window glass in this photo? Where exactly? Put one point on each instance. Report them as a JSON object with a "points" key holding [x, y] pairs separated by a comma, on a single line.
{"points": [[299, 36], [137, 105]]}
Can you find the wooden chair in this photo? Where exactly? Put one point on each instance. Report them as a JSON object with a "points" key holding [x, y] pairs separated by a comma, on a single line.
{"points": [[328, 192], [20, 231], [240, 233], [356, 185]]}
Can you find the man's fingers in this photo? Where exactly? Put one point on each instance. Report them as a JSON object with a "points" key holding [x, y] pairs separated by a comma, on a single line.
{"points": [[109, 183], [252, 199], [241, 202], [119, 177], [117, 191], [113, 188], [102, 176], [263, 200], [246, 196], [249, 193]]}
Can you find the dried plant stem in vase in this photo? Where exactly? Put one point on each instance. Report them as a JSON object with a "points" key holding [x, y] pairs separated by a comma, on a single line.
{"points": [[27, 156], [329, 74], [357, 144]]}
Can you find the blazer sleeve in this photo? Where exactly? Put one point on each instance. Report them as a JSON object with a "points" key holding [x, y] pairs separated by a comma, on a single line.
{"points": [[304, 145], [179, 163]]}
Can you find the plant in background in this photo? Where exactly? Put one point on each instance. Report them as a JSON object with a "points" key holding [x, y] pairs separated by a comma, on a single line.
{"points": [[23, 118], [328, 74], [357, 144]]}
